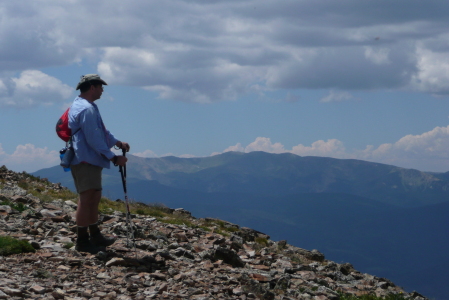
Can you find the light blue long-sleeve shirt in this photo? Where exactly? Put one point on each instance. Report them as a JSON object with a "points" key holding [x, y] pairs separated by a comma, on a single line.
{"points": [[93, 142]]}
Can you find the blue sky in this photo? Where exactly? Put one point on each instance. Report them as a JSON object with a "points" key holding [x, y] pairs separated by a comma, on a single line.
{"points": [[346, 79]]}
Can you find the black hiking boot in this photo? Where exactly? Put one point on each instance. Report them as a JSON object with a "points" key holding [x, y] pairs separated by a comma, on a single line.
{"points": [[84, 245], [98, 239]]}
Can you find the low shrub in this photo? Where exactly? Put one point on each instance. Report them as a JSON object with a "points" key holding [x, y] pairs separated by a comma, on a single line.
{"points": [[10, 245], [17, 206], [262, 241]]}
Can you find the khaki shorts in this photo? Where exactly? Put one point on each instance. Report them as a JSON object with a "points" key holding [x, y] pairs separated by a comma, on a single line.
{"points": [[86, 177]]}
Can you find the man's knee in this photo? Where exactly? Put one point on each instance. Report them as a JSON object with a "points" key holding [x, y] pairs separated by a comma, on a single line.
{"points": [[91, 195]]}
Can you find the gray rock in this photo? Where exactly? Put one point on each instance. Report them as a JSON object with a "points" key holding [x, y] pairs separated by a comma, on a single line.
{"points": [[35, 244], [146, 245], [11, 191], [182, 212], [5, 208], [183, 252], [103, 275], [71, 204], [50, 213], [229, 257]]}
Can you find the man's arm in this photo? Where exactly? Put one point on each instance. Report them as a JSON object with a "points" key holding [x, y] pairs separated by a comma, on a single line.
{"points": [[94, 133], [122, 145], [119, 160]]}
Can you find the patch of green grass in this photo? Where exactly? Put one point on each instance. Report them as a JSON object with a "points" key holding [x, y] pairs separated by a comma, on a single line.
{"points": [[154, 211], [293, 256], [50, 194], [204, 228], [43, 274], [23, 184], [108, 206], [262, 241], [17, 206], [10, 245], [140, 211], [64, 194], [43, 189], [227, 228], [177, 221], [34, 178], [68, 245], [232, 229], [208, 223], [296, 259], [223, 233], [223, 227]]}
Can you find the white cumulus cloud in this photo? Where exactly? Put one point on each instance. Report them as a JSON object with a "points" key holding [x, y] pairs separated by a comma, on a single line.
{"points": [[329, 148], [433, 75], [425, 152], [237, 148], [146, 154], [32, 88], [337, 96], [29, 158], [195, 51], [265, 144]]}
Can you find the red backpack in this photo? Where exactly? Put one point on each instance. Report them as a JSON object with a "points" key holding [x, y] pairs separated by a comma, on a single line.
{"points": [[62, 127]]}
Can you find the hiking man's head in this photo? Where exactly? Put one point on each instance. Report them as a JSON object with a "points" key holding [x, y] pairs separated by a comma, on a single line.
{"points": [[91, 87]]}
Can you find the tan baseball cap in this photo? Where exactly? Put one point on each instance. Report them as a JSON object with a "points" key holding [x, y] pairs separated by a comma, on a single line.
{"points": [[90, 77]]}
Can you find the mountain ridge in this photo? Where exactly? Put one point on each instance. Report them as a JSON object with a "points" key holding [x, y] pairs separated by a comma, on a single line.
{"points": [[280, 174]]}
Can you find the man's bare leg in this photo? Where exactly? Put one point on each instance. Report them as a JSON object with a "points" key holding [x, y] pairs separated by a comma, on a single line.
{"points": [[87, 212], [86, 215]]}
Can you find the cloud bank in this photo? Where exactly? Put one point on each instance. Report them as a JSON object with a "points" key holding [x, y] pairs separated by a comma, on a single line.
{"points": [[196, 51], [29, 158], [32, 88]]}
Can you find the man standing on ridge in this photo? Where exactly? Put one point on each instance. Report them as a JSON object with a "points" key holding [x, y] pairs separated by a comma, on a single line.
{"points": [[92, 143]]}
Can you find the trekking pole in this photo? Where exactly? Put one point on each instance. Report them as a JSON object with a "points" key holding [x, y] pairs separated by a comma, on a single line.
{"points": [[129, 222]]}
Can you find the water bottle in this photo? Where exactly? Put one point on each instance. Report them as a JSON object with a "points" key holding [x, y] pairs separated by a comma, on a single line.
{"points": [[61, 156]]}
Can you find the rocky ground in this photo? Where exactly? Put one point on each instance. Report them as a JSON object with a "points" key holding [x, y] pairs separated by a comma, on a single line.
{"points": [[201, 259]]}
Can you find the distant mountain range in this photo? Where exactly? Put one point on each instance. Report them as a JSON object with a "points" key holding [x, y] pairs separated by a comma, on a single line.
{"points": [[381, 218]]}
